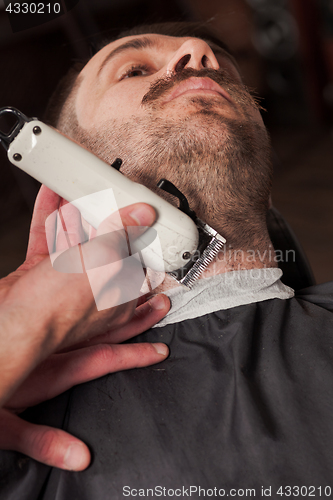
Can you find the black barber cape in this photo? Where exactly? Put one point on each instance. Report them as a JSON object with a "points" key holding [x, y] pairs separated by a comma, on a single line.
{"points": [[244, 402]]}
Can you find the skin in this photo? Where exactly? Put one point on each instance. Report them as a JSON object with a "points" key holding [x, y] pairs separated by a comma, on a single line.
{"points": [[113, 91]]}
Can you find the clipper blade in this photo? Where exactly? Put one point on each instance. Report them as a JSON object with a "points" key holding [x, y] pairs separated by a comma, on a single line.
{"points": [[200, 265], [211, 244]]}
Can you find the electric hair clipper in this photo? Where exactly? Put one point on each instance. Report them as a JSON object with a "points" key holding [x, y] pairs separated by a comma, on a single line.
{"points": [[188, 245]]}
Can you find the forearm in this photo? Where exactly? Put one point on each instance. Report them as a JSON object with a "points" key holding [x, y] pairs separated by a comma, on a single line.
{"points": [[25, 340], [34, 321]]}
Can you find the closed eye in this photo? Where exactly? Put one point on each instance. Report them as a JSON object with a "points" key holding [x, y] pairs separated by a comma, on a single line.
{"points": [[136, 70]]}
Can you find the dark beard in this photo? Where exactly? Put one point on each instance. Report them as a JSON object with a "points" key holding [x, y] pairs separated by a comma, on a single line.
{"points": [[223, 171], [222, 165]]}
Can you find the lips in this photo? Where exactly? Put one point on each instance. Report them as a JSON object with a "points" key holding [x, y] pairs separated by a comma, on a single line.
{"points": [[199, 85]]}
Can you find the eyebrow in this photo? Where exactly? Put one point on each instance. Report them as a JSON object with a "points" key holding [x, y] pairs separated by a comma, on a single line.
{"points": [[136, 44]]}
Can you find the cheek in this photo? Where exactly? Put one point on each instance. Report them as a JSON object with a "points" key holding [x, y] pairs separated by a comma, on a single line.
{"points": [[84, 108], [257, 117], [253, 113], [119, 101]]}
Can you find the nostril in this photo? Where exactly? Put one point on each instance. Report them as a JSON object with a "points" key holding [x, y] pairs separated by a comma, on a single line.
{"points": [[204, 61], [182, 63]]}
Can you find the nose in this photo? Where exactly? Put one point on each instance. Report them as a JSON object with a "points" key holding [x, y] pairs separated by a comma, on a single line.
{"points": [[194, 53]]}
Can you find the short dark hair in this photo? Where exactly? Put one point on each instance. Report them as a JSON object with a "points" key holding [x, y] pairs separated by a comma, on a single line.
{"points": [[177, 29], [61, 94]]}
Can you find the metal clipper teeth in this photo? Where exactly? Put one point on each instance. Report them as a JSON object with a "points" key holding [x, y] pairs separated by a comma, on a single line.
{"points": [[214, 247], [211, 243]]}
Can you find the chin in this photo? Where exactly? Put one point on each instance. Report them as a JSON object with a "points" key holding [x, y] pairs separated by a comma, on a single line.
{"points": [[208, 128]]}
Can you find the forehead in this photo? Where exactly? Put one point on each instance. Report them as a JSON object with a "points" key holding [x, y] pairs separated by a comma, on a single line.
{"points": [[144, 42]]}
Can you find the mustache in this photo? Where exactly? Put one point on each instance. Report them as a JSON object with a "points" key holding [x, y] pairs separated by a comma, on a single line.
{"points": [[240, 93]]}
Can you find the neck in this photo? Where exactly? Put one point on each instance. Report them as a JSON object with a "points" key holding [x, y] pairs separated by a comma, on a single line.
{"points": [[227, 261]]}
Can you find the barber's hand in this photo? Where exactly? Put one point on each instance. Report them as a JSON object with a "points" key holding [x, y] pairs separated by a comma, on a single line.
{"points": [[37, 301], [66, 298], [60, 372], [43, 310]]}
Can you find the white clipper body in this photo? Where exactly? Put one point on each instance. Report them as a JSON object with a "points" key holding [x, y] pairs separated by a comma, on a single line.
{"points": [[73, 172]]}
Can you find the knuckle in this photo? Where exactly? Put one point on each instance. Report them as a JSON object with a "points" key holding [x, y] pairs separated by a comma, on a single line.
{"points": [[125, 313], [103, 353], [45, 444]]}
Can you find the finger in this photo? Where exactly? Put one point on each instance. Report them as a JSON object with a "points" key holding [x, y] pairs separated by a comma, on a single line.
{"points": [[62, 371], [46, 202], [138, 214], [144, 317], [110, 244], [114, 277], [70, 231], [50, 446], [111, 234]]}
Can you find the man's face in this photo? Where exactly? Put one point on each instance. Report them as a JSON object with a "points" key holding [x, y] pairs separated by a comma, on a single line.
{"points": [[176, 108], [118, 77]]}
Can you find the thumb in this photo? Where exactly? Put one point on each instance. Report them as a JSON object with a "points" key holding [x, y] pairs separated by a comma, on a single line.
{"points": [[138, 214], [111, 241]]}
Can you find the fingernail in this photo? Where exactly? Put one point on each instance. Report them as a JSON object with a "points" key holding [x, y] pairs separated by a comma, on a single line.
{"points": [[157, 302], [75, 456], [161, 349], [141, 215]]}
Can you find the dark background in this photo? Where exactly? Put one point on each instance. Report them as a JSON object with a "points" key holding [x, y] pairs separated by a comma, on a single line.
{"points": [[285, 51]]}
